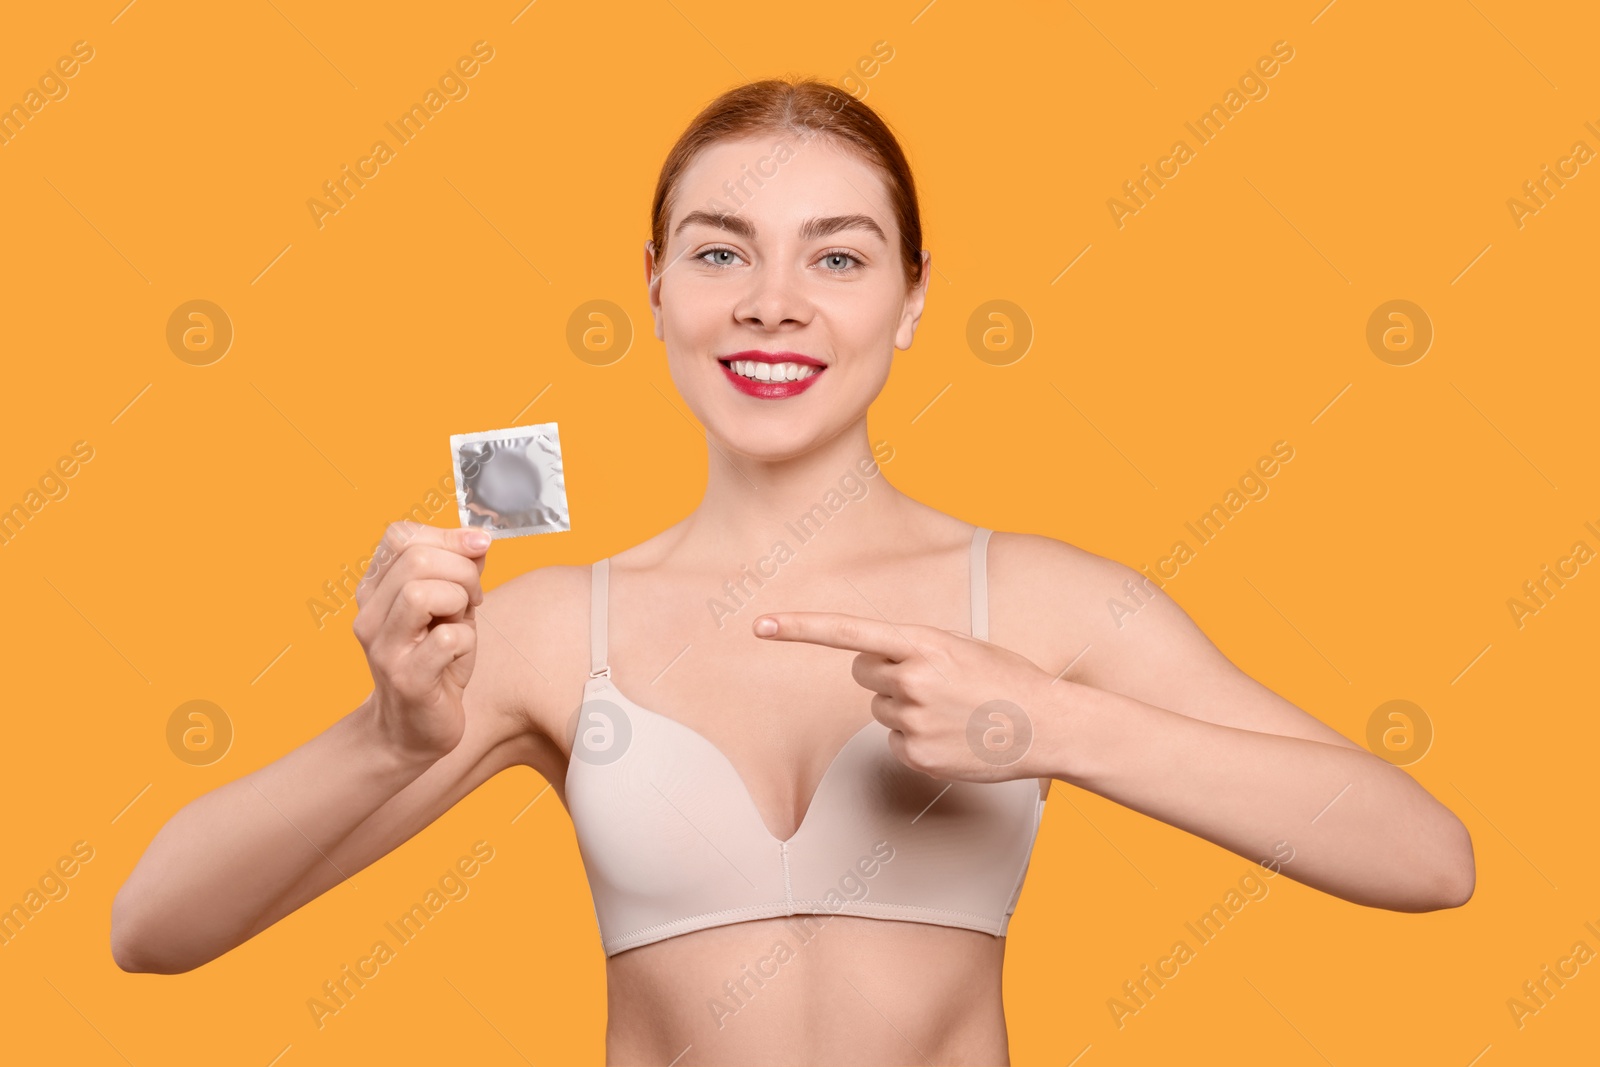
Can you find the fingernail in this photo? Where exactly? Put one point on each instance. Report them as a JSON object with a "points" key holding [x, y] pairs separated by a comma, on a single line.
{"points": [[766, 626], [477, 539]]}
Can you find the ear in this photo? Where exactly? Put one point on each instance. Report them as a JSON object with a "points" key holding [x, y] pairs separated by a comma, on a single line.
{"points": [[652, 279], [915, 300]]}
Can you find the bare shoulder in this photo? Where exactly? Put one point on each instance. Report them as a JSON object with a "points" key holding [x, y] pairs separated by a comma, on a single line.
{"points": [[1015, 554], [1098, 622], [1082, 611], [533, 632]]}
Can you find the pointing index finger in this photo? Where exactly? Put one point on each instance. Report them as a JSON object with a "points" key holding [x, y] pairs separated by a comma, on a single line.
{"points": [[837, 630]]}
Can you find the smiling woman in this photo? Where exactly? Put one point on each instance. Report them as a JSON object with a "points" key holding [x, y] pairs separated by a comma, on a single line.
{"points": [[886, 700]]}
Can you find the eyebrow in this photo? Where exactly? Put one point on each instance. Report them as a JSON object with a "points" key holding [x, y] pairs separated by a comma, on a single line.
{"points": [[810, 230]]}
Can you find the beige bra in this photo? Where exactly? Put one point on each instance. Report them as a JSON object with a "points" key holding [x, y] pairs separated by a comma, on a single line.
{"points": [[673, 843]]}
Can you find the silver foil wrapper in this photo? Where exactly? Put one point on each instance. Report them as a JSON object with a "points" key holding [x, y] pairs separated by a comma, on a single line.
{"points": [[509, 482]]}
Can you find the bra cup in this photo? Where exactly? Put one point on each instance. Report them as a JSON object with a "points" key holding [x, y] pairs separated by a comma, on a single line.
{"points": [[886, 837], [645, 823], [866, 797]]}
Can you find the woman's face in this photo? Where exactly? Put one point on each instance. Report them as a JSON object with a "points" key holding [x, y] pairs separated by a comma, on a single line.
{"points": [[787, 251]]}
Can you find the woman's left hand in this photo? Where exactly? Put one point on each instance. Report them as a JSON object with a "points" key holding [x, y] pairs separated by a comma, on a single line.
{"points": [[957, 708]]}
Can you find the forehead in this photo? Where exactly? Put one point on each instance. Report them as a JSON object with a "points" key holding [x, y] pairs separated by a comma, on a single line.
{"points": [[782, 179]]}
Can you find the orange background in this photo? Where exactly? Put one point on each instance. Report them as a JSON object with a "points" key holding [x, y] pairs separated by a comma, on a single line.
{"points": [[1229, 313]]}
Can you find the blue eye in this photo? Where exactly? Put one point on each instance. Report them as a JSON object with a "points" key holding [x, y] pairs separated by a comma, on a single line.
{"points": [[856, 263], [713, 251]]}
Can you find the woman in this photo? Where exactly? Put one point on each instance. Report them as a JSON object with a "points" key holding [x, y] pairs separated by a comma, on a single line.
{"points": [[806, 841]]}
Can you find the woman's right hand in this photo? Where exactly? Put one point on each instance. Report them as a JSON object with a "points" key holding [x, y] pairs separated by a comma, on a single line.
{"points": [[234, 861], [417, 624]]}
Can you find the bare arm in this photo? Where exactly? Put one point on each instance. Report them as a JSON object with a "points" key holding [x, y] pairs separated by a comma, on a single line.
{"points": [[236, 860], [1159, 720], [225, 856]]}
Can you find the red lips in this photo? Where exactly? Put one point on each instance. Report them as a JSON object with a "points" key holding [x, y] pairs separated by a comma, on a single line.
{"points": [[771, 390]]}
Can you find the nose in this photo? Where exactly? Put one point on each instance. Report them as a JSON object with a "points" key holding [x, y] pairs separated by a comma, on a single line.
{"points": [[774, 297]]}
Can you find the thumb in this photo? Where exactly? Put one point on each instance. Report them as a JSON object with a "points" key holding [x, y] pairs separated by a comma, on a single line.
{"points": [[472, 542]]}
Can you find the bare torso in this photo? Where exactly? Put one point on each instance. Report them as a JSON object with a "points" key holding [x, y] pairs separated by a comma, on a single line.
{"points": [[884, 991]]}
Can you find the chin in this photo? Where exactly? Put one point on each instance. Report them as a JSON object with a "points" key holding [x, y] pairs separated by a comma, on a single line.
{"points": [[761, 442]]}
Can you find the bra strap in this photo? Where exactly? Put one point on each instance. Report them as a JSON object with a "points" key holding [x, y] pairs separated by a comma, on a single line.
{"points": [[598, 575], [980, 583]]}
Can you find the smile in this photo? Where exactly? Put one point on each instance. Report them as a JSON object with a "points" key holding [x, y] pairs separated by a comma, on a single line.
{"points": [[771, 379]]}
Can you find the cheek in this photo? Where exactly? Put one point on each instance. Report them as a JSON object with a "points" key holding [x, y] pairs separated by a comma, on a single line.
{"points": [[693, 326], [682, 329], [694, 315], [866, 321], [876, 373]]}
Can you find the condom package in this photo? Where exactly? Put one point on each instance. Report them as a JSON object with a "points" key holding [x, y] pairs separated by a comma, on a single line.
{"points": [[509, 482]]}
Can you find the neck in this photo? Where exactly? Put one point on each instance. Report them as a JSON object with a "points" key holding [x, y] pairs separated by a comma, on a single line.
{"points": [[822, 504]]}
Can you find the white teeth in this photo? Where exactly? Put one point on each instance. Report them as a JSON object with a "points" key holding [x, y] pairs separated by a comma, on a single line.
{"points": [[773, 372]]}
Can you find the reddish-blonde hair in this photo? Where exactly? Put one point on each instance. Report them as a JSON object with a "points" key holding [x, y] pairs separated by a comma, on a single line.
{"points": [[809, 108]]}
